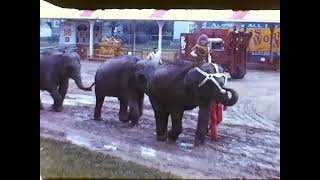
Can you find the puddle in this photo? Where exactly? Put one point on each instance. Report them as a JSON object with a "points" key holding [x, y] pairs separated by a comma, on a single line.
{"points": [[186, 158], [110, 147], [148, 152], [186, 146], [71, 99], [83, 99], [75, 139], [169, 157]]}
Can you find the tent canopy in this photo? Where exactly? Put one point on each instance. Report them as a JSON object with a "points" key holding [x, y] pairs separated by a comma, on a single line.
{"points": [[48, 10], [174, 4]]}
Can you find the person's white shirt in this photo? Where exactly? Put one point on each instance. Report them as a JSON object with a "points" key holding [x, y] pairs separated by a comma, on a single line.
{"points": [[155, 57]]}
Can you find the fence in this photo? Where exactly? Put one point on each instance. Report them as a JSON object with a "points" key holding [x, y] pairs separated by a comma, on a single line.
{"points": [[49, 41], [150, 41], [60, 48], [143, 45]]}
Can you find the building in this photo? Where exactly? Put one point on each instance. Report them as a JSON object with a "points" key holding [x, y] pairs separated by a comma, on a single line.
{"points": [[141, 30]]}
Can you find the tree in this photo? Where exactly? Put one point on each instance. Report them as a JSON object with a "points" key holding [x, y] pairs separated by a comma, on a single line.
{"points": [[199, 24]]}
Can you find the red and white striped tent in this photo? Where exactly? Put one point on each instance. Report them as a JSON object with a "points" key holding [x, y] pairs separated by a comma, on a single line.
{"points": [[48, 10]]}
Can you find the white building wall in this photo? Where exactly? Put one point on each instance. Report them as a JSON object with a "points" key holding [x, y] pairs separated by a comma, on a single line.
{"points": [[68, 33]]}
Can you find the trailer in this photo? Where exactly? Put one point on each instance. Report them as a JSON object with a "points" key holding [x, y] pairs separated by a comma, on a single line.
{"points": [[227, 48]]}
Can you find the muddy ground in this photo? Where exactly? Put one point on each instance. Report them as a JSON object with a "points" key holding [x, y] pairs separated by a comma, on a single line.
{"points": [[248, 144]]}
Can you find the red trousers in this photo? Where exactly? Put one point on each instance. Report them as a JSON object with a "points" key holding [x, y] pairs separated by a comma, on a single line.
{"points": [[215, 119]]}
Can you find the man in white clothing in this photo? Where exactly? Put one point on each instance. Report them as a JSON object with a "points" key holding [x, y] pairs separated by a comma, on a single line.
{"points": [[155, 56]]}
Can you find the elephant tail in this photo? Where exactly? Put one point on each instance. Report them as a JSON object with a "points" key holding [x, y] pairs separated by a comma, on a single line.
{"points": [[92, 84]]}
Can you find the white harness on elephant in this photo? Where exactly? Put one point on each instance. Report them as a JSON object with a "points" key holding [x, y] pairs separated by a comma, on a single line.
{"points": [[212, 76]]}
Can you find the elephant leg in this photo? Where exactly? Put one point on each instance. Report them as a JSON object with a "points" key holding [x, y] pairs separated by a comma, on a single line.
{"points": [[161, 119], [202, 126], [63, 88], [57, 105], [140, 103], [161, 125], [123, 113], [176, 119], [97, 110], [41, 106], [133, 110]]}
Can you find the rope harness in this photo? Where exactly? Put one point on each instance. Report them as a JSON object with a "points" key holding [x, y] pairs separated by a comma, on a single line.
{"points": [[212, 77]]}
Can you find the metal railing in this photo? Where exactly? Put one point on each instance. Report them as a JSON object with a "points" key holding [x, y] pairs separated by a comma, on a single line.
{"points": [[60, 48]]}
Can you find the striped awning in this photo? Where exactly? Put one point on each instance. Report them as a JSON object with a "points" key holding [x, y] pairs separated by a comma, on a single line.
{"points": [[48, 10]]}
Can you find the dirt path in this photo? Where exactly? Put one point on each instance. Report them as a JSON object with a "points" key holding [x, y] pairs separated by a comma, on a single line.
{"points": [[248, 144]]}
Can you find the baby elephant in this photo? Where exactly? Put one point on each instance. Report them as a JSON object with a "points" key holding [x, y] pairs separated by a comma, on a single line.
{"points": [[123, 77], [55, 71]]}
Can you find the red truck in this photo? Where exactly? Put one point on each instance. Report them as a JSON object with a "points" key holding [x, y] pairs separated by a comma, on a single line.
{"points": [[228, 48]]}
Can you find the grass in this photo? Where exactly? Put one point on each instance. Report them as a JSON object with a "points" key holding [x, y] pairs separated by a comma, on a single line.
{"points": [[64, 160]]}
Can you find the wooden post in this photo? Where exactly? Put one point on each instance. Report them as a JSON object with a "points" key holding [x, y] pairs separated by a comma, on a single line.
{"points": [[91, 39], [134, 36], [160, 25], [271, 42]]}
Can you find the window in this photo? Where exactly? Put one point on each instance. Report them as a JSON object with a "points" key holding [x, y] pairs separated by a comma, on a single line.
{"points": [[216, 43]]}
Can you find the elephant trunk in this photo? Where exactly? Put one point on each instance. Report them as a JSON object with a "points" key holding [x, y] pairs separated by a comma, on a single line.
{"points": [[202, 125], [226, 100], [79, 83]]}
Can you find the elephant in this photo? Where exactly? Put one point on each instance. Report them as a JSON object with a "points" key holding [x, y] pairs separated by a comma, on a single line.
{"points": [[124, 77], [179, 86], [55, 70]]}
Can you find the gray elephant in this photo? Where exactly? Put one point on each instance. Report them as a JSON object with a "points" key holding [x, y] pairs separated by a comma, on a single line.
{"points": [[179, 86], [124, 77], [55, 71]]}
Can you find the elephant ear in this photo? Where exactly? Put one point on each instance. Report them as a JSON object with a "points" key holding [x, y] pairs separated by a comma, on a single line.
{"points": [[139, 72], [192, 78], [72, 58], [69, 70], [69, 63]]}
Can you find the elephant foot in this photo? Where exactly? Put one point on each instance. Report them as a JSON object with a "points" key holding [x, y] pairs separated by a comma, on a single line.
{"points": [[133, 124], [123, 118], [161, 136], [97, 118], [172, 136], [57, 108], [133, 119], [199, 140]]}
